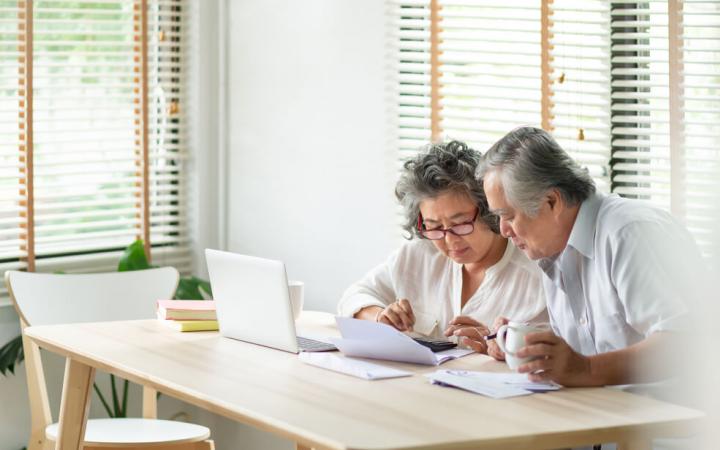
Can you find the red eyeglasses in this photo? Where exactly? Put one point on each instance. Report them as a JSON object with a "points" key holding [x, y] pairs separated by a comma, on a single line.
{"points": [[461, 229]]}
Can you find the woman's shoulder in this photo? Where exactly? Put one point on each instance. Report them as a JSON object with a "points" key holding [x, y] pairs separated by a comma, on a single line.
{"points": [[418, 252], [418, 248]]}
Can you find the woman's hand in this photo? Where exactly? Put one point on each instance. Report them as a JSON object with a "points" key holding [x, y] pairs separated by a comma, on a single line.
{"points": [[469, 331], [398, 314], [493, 348]]}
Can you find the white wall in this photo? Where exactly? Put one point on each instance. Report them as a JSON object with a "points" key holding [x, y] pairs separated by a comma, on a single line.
{"points": [[310, 178], [293, 98], [300, 170]]}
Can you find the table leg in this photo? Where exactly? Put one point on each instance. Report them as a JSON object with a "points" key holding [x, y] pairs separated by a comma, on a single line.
{"points": [[637, 443], [75, 405]]}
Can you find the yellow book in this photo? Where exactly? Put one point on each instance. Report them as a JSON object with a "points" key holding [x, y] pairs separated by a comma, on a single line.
{"points": [[192, 325]]}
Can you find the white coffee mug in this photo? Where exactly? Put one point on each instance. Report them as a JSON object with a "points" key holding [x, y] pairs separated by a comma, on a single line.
{"points": [[296, 297], [511, 338]]}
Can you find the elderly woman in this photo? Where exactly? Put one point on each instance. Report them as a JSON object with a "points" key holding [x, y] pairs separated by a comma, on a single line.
{"points": [[460, 274]]}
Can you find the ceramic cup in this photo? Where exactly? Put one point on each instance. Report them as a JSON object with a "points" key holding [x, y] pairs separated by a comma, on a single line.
{"points": [[296, 297], [511, 338]]}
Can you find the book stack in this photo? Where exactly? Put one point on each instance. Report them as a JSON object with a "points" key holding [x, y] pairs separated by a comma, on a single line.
{"points": [[188, 315]]}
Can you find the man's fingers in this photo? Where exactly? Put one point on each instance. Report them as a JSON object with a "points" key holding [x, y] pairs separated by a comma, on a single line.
{"points": [[500, 321], [540, 376], [536, 350], [536, 365], [477, 346], [494, 351], [547, 337]]}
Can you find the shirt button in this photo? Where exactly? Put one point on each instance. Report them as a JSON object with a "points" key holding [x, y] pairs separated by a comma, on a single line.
{"points": [[583, 321]]}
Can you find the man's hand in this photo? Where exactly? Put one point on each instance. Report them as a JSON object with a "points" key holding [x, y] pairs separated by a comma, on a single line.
{"points": [[470, 332], [556, 361], [398, 314], [493, 349]]}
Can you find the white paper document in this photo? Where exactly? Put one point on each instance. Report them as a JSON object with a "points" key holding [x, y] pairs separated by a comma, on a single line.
{"points": [[366, 339], [490, 384], [349, 366]]}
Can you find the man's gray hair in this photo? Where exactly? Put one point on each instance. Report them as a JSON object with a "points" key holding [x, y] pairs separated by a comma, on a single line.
{"points": [[530, 163], [436, 170]]}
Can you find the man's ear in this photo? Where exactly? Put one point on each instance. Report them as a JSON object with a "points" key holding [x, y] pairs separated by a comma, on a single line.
{"points": [[554, 199]]}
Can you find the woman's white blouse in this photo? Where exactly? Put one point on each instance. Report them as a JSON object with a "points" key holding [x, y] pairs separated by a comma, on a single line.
{"points": [[432, 283]]}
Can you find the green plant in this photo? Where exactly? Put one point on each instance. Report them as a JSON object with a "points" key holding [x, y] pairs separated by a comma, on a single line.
{"points": [[133, 258], [10, 355]]}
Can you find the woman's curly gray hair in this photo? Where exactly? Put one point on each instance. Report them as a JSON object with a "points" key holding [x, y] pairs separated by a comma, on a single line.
{"points": [[438, 169]]}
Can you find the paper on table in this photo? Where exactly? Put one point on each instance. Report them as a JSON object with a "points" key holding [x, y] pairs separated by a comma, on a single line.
{"points": [[519, 380], [349, 366], [494, 385], [367, 339]]}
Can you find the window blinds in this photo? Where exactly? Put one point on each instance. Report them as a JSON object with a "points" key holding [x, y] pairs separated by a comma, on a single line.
{"points": [[12, 222], [700, 36], [580, 50], [632, 89], [666, 97], [89, 130], [490, 66], [640, 88]]}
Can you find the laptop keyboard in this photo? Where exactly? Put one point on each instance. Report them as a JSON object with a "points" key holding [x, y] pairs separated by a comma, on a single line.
{"points": [[311, 345]]}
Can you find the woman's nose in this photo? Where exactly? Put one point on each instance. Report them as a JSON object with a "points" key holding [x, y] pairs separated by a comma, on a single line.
{"points": [[451, 237]]}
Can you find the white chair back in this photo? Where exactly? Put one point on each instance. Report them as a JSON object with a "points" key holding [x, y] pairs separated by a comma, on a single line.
{"points": [[46, 299]]}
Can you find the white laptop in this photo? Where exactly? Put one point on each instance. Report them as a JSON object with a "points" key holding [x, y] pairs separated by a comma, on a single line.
{"points": [[253, 303]]}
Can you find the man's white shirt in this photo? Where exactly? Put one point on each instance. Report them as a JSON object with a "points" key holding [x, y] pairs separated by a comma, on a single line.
{"points": [[627, 271]]}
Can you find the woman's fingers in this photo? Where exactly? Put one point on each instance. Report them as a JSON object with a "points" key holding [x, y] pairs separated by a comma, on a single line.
{"points": [[393, 319], [404, 310], [464, 320], [399, 315]]}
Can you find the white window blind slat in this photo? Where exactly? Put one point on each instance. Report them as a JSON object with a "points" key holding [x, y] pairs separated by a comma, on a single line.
{"points": [[86, 84], [611, 83]]}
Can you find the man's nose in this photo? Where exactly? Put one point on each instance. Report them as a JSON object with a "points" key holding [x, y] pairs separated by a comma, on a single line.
{"points": [[506, 230]]}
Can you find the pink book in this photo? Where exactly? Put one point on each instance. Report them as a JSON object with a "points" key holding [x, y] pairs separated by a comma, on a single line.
{"points": [[186, 310]]}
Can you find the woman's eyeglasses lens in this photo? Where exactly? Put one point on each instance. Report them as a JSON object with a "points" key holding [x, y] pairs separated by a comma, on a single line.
{"points": [[462, 229]]}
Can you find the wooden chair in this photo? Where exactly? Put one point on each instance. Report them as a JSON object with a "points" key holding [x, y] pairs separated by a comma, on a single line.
{"points": [[45, 299]]}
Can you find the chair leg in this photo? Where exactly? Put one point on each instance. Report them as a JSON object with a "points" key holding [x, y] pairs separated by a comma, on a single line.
{"points": [[38, 441]]}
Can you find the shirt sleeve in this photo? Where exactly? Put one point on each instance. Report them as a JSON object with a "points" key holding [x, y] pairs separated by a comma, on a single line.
{"points": [[376, 288], [654, 270]]}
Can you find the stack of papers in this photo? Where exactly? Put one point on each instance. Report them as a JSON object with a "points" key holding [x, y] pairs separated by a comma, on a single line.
{"points": [[349, 366], [490, 384], [365, 339]]}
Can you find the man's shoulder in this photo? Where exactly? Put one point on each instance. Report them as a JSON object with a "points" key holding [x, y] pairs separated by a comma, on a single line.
{"points": [[618, 214]]}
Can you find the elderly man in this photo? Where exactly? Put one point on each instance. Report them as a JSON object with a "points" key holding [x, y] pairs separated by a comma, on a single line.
{"points": [[620, 274]]}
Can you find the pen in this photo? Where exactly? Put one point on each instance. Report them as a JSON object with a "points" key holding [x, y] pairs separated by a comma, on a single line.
{"points": [[490, 337]]}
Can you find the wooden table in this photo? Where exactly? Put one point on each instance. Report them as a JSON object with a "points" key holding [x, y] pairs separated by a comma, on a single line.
{"points": [[273, 391]]}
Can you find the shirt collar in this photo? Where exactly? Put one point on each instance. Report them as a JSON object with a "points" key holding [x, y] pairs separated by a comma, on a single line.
{"points": [[582, 236]]}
